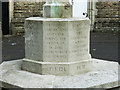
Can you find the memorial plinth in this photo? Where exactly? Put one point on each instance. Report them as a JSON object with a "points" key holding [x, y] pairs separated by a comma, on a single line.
{"points": [[57, 44], [57, 54]]}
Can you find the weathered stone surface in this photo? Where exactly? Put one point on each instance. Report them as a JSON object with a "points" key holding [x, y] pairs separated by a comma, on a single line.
{"points": [[57, 10], [61, 44], [104, 74], [57, 68], [57, 40]]}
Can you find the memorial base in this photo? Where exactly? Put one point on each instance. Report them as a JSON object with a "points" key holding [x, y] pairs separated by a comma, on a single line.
{"points": [[57, 68], [104, 74]]}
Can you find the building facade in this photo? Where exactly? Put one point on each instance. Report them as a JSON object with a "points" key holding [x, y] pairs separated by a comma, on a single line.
{"points": [[107, 18], [19, 10], [104, 15]]}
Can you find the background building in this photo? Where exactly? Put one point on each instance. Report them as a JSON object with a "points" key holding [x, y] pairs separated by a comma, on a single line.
{"points": [[108, 14], [104, 15]]}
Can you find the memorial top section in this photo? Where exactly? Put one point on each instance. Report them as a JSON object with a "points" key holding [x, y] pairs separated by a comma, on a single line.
{"points": [[57, 9]]}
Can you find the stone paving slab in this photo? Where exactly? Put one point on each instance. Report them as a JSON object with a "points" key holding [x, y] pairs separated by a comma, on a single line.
{"points": [[103, 75]]}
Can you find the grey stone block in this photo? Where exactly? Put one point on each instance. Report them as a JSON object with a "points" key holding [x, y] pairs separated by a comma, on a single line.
{"points": [[56, 46], [57, 11]]}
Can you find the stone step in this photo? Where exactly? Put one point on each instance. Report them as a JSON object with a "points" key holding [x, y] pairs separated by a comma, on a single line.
{"points": [[104, 74]]}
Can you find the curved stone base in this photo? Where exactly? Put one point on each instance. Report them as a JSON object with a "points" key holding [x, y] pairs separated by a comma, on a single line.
{"points": [[104, 74]]}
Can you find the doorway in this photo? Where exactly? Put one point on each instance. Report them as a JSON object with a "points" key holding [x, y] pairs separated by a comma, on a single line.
{"points": [[5, 17]]}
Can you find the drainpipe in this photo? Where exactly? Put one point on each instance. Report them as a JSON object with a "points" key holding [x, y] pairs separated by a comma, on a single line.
{"points": [[92, 11], [11, 12]]}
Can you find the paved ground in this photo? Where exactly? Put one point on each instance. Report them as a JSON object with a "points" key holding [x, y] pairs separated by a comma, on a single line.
{"points": [[102, 46], [13, 47], [104, 74], [105, 46]]}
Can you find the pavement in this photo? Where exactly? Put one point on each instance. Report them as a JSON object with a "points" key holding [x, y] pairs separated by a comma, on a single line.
{"points": [[105, 46], [13, 47], [102, 46]]}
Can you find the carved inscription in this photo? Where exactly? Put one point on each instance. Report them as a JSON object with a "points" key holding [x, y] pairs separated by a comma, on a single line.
{"points": [[57, 69], [79, 40], [81, 67], [55, 41]]}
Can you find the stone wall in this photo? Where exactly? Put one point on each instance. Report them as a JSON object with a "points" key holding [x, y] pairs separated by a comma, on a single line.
{"points": [[107, 18], [23, 10]]}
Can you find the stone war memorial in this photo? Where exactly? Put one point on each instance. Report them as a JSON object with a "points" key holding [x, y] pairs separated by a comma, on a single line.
{"points": [[57, 54]]}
